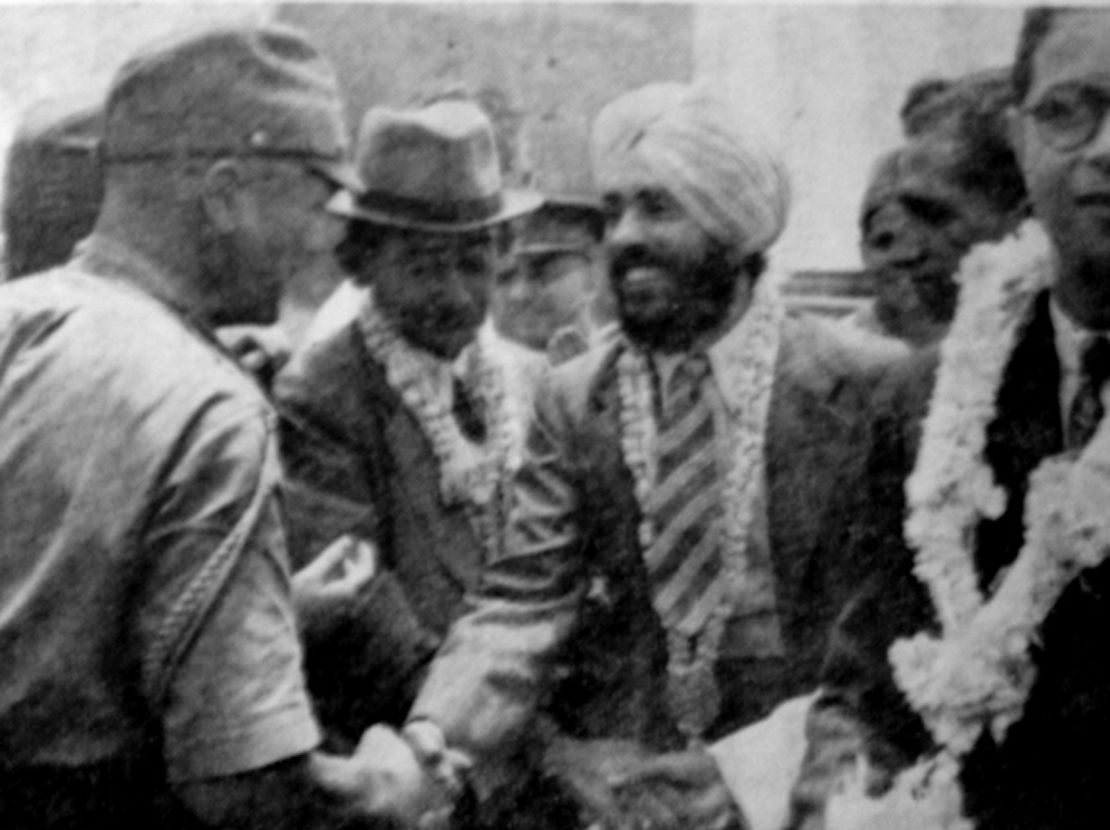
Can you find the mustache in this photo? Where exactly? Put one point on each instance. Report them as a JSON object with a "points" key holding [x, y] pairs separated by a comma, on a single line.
{"points": [[638, 256]]}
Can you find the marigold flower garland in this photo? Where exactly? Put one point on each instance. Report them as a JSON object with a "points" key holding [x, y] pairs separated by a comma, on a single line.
{"points": [[979, 673], [690, 667], [470, 474]]}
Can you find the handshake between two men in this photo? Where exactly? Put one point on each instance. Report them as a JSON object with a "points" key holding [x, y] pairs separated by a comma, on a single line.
{"points": [[607, 784], [613, 784]]}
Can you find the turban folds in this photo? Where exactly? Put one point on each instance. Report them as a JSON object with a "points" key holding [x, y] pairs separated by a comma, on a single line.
{"points": [[702, 150]]}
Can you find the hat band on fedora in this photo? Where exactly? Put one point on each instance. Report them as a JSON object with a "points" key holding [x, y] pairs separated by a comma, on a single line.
{"points": [[419, 210]]}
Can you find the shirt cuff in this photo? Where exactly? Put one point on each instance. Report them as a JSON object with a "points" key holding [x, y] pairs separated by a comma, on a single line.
{"points": [[282, 734]]}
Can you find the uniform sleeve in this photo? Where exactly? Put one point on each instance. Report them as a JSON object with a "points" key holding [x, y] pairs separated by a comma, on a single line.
{"points": [[489, 676], [235, 699]]}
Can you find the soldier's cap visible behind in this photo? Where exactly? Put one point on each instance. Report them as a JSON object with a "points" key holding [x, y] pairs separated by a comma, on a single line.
{"points": [[230, 91], [53, 183], [564, 224]]}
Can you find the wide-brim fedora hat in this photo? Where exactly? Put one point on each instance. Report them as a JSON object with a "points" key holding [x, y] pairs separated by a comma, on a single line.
{"points": [[434, 168]]}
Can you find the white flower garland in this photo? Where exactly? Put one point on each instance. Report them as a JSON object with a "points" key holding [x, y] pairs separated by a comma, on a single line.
{"points": [[979, 672], [470, 474], [758, 351]]}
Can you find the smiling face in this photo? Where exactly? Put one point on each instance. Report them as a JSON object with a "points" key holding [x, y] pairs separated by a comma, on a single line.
{"points": [[919, 219], [671, 280], [1069, 186]]}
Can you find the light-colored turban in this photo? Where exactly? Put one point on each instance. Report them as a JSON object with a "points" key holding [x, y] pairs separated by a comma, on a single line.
{"points": [[705, 153]]}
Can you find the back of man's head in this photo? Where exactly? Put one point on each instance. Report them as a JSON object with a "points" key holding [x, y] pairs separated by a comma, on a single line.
{"points": [[53, 183], [235, 91]]}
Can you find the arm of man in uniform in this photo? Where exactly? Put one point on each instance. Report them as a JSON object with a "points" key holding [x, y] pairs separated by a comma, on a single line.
{"points": [[217, 641]]}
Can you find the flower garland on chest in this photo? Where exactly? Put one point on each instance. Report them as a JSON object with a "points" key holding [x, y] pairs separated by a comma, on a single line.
{"points": [[690, 666], [470, 474], [979, 672]]}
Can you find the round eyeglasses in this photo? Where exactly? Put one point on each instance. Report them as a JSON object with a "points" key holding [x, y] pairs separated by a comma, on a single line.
{"points": [[1070, 115]]}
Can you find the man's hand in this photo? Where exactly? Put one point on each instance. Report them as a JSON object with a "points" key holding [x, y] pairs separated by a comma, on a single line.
{"points": [[331, 582], [445, 765], [589, 771], [396, 783], [262, 351], [688, 784]]}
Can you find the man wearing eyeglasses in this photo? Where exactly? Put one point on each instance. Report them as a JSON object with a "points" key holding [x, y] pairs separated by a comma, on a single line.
{"points": [[991, 597]]}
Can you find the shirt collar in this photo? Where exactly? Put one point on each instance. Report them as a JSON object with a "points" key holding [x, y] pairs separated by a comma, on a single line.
{"points": [[725, 356], [108, 257]]}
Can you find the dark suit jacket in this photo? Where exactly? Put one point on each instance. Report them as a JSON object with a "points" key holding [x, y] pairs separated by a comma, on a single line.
{"points": [[564, 621], [357, 462], [1050, 768]]}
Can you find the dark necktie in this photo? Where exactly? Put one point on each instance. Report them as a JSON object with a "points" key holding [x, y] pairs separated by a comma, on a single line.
{"points": [[684, 562], [467, 414], [1086, 408]]}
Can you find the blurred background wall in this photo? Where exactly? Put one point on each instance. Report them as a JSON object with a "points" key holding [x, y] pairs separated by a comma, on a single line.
{"points": [[827, 80]]}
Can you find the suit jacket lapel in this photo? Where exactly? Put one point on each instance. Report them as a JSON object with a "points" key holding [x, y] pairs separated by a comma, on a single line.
{"points": [[810, 449], [1026, 429], [452, 537]]}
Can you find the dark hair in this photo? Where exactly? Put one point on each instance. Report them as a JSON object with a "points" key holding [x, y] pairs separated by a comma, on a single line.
{"points": [[971, 112], [357, 248], [1034, 29]]}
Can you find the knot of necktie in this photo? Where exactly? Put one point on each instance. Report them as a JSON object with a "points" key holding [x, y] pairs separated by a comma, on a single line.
{"points": [[1087, 408], [685, 384]]}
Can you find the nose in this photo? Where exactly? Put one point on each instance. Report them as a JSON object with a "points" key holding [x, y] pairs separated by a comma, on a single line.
{"points": [[515, 288], [626, 231], [893, 238], [1097, 150]]}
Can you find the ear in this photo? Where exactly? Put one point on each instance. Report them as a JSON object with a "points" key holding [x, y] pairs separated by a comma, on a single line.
{"points": [[221, 194]]}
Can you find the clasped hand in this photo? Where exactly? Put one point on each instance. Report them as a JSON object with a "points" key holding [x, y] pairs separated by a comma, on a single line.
{"points": [[622, 786]]}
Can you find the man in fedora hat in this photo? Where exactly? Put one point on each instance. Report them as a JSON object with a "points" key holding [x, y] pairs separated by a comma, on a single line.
{"points": [[673, 556], [151, 660], [396, 427]]}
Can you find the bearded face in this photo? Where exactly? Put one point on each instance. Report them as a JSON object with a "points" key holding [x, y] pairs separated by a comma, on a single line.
{"points": [[672, 282]]}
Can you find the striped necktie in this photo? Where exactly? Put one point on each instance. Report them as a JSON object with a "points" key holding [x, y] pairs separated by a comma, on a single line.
{"points": [[1086, 408], [684, 562]]}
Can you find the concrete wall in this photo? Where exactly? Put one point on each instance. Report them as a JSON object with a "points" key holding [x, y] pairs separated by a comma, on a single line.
{"points": [[829, 80], [557, 64]]}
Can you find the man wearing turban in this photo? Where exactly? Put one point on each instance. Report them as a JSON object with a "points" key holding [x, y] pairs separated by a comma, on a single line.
{"points": [[672, 559]]}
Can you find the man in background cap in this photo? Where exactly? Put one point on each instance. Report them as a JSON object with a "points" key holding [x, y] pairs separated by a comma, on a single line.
{"points": [[152, 667], [553, 288], [397, 426], [636, 507]]}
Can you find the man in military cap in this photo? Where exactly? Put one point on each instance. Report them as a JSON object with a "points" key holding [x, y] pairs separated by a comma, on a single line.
{"points": [[553, 288], [152, 666]]}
